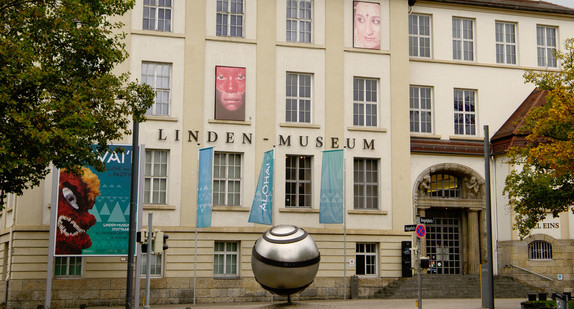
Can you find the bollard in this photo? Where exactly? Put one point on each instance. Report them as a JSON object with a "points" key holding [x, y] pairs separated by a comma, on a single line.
{"points": [[354, 287]]}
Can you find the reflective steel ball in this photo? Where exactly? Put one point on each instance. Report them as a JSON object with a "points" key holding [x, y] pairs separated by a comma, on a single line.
{"points": [[285, 260]]}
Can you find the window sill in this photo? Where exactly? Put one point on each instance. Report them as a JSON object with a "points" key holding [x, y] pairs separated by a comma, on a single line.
{"points": [[299, 125], [482, 64], [427, 136], [368, 51], [465, 138], [158, 207], [67, 277], [160, 118], [540, 260], [298, 210], [168, 34], [368, 212], [300, 45], [230, 39], [367, 129], [230, 208], [226, 277], [234, 122]]}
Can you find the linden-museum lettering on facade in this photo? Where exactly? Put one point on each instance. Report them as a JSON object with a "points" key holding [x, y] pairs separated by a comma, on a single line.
{"points": [[284, 140]]}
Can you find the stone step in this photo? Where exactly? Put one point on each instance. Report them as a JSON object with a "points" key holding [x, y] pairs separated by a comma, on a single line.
{"points": [[451, 286]]}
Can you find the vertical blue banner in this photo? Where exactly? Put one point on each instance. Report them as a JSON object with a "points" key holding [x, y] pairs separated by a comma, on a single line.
{"points": [[262, 207], [331, 207], [205, 187]]}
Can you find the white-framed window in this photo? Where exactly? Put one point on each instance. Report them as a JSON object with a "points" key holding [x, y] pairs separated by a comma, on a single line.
{"points": [[298, 184], [366, 183], [505, 42], [68, 266], [366, 259], [156, 265], [539, 250], [156, 176], [299, 20], [421, 109], [365, 102], [464, 112], [419, 35], [158, 76], [230, 15], [462, 39], [298, 98], [157, 15], [546, 41], [227, 179], [226, 259]]}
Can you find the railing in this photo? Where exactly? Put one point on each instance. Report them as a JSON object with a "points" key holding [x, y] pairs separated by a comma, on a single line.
{"points": [[530, 271]]}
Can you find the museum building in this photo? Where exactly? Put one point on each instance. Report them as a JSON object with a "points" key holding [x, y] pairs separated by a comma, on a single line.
{"points": [[403, 88]]}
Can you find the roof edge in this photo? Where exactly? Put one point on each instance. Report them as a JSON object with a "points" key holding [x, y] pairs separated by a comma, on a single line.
{"points": [[558, 9]]}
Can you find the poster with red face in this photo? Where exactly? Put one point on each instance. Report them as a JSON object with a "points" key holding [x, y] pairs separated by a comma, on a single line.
{"points": [[366, 25], [229, 93], [93, 212]]}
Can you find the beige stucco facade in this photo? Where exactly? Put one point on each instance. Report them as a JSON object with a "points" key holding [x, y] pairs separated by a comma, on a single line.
{"points": [[193, 49]]}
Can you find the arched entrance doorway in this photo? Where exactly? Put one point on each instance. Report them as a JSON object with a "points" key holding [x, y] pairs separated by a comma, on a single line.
{"points": [[453, 195]]}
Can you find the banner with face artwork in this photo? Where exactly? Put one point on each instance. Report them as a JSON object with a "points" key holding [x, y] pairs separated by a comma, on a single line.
{"points": [[93, 210]]}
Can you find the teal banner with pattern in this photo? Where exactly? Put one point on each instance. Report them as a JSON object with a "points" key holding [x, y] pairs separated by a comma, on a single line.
{"points": [[93, 212]]}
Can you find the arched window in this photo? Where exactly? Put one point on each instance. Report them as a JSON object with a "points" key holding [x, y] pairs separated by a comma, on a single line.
{"points": [[444, 185], [539, 250]]}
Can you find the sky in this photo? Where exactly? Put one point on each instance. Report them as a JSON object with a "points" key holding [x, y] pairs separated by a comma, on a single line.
{"points": [[568, 3]]}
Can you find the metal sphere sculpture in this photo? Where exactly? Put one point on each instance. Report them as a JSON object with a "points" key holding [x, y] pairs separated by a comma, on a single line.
{"points": [[285, 260]]}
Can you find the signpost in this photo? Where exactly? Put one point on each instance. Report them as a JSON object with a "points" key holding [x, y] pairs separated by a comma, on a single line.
{"points": [[424, 220], [421, 232], [410, 227]]}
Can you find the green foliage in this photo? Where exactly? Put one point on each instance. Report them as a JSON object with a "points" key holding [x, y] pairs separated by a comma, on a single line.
{"points": [[546, 182], [533, 193], [544, 304], [59, 93]]}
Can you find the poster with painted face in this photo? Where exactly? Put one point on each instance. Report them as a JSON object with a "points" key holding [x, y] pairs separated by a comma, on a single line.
{"points": [[93, 208], [229, 93], [366, 25]]}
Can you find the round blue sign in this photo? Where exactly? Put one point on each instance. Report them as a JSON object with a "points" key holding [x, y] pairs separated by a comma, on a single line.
{"points": [[421, 231]]}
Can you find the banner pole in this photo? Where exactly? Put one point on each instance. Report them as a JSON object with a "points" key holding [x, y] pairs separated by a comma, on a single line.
{"points": [[196, 224], [138, 252], [344, 233], [133, 213], [150, 243], [195, 268], [52, 237], [489, 257]]}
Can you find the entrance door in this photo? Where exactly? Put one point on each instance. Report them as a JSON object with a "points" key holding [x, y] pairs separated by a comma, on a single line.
{"points": [[443, 242]]}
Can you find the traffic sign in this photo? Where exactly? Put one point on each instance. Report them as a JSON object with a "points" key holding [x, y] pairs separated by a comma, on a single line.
{"points": [[424, 220], [421, 231], [410, 227]]}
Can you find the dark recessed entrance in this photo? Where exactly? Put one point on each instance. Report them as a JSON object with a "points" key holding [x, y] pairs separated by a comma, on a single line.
{"points": [[443, 241]]}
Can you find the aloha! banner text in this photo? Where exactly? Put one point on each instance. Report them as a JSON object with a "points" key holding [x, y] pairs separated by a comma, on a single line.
{"points": [[262, 207]]}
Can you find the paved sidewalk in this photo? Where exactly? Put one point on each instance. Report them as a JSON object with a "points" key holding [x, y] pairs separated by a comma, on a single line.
{"points": [[459, 303]]}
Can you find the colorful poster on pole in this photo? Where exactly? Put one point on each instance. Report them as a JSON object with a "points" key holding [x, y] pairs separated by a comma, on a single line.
{"points": [[94, 208]]}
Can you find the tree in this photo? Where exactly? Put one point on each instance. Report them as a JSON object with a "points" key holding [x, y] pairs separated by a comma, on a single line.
{"points": [[59, 93], [544, 181]]}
